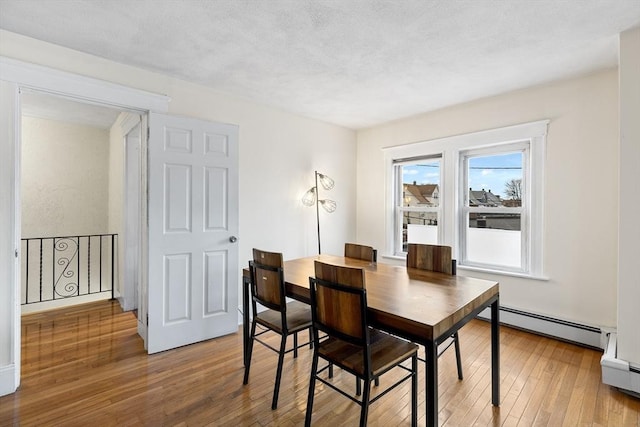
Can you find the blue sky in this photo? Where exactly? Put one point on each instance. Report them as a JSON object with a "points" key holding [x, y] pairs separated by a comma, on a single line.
{"points": [[488, 172]]}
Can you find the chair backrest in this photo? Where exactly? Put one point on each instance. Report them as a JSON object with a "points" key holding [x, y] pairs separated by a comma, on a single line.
{"points": [[267, 280], [366, 253], [339, 302], [430, 257]]}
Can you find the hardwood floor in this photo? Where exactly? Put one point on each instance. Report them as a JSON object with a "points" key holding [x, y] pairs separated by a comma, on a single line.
{"points": [[86, 366]]}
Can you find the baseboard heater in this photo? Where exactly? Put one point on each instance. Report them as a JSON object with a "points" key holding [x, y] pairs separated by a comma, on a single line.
{"points": [[619, 373], [584, 335], [615, 372]]}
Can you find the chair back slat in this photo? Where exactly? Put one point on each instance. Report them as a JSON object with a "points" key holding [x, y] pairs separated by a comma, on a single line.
{"points": [[366, 253], [430, 257], [340, 301], [267, 279]]}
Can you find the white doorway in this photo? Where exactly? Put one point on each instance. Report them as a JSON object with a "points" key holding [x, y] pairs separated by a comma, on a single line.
{"points": [[17, 76], [216, 298], [69, 210]]}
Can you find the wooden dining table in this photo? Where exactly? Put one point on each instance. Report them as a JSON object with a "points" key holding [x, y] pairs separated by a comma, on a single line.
{"points": [[421, 306]]}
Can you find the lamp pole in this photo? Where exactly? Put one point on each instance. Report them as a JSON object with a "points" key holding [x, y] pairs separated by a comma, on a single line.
{"points": [[318, 211], [312, 196]]}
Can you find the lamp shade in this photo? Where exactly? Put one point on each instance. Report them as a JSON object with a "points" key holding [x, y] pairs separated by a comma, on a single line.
{"points": [[326, 182], [328, 205], [309, 198]]}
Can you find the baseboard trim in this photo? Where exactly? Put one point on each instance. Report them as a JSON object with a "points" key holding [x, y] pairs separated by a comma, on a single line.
{"points": [[584, 335], [8, 382]]}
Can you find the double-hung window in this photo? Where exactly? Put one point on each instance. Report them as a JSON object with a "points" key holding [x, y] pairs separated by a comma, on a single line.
{"points": [[479, 193], [494, 220], [417, 201]]}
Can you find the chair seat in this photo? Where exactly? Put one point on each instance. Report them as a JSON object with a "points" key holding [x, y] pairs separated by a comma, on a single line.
{"points": [[298, 317], [386, 352]]}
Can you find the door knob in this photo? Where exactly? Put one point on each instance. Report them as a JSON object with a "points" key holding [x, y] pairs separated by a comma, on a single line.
{"points": [[233, 239]]}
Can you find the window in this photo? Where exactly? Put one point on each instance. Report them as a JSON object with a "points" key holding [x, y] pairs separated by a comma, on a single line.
{"points": [[417, 202], [480, 193], [493, 226]]}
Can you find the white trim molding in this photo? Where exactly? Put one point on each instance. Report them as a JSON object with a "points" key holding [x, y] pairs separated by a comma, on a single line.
{"points": [[564, 330], [85, 89], [8, 376]]}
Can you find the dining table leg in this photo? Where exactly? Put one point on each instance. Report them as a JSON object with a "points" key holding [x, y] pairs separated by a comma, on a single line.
{"points": [[431, 383], [245, 318], [495, 352]]}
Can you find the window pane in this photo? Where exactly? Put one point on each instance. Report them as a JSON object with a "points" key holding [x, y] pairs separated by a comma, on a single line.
{"points": [[495, 180], [421, 183], [419, 227], [494, 239]]}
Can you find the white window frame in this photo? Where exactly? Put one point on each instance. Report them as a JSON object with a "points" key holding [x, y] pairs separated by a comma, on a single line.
{"points": [[451, 149], [399, 209], [523, 210]]}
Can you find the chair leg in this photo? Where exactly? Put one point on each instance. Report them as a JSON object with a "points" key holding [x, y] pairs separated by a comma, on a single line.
{"points": [[312, 389], [249, 351], [359, 389], [456, 342], [330, 370], [310, 338], [414, 390], [295, 345], [364, 413], [276, 389]]}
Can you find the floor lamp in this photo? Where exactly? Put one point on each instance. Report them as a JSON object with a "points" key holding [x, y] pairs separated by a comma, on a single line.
{"points": [[311, 197]]}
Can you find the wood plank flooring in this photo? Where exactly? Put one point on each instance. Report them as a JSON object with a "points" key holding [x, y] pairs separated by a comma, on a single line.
{"points": [[86, 366]]}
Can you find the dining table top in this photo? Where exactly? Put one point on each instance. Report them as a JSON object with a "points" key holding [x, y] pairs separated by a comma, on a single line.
{"points": [[422, 305]]}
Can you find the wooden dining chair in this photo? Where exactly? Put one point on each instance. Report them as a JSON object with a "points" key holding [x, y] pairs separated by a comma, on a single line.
{"points": [[267, 288], [365, 253], [436, 258], [339, 310]]}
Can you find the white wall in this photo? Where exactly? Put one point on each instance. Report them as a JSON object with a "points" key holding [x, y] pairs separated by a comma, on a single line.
{"points": [[629, 230], [278, 154], [581, 189], [116, 185], [64, 178]]}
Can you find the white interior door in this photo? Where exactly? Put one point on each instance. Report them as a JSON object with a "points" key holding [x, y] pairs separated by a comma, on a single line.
{"points": [[193, 223]]}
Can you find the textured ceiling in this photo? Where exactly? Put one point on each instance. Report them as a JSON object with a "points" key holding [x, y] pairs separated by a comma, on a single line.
{"points": [[52, 107], [355, 63]]}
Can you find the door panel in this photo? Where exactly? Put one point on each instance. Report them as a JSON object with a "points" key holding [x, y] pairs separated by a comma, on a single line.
{"points": [[193, 213], [177, 288], [215, 272], [216, 199], [177, 187]]}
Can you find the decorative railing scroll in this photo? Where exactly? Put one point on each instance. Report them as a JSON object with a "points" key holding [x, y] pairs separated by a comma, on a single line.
{"points": [[69, 266]]}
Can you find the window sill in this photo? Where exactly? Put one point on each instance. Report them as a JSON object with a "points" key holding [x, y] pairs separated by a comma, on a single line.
{"points": [[503, 273], [395, 257], [481, 270]]}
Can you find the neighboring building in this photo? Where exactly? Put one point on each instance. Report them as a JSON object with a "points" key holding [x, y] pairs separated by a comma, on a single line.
{"points": [[421, 195], [484, 198], [498, 221]]}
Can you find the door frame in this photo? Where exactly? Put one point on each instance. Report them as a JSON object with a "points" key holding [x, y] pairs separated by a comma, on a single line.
{"points": [[131, 219], [23, 75]]}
